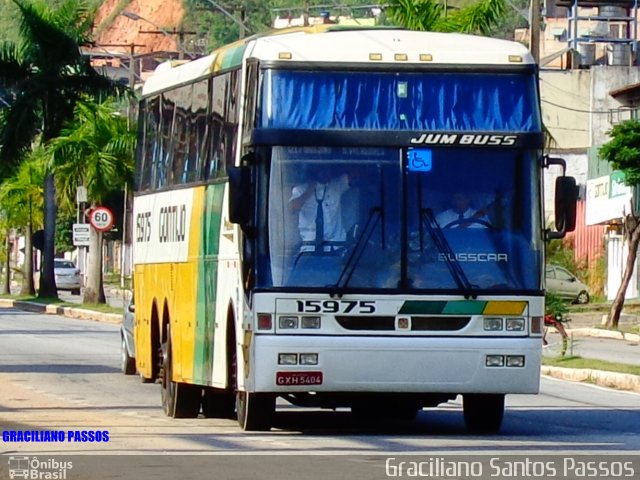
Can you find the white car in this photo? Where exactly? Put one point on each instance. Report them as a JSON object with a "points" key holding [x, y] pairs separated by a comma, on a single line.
{"points": [[127, 345], [67, 275], [564, 284]]}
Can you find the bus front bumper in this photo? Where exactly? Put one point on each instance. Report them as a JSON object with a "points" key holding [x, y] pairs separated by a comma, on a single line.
{"points": [[397, 364]]}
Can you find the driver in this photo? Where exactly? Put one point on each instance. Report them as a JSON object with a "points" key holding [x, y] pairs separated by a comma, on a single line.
{"points": [[461, 215]]}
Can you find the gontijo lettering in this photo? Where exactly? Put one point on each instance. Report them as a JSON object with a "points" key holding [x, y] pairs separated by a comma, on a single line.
{"points": [[171, 226], [74, 436]]}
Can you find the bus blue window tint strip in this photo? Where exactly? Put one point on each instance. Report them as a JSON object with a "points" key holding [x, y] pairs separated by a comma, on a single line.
{"points": [[419, 159], [435, 101]]}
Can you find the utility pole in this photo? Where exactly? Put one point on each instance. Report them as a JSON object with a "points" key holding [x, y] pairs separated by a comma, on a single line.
{"points": [[534, 30]]}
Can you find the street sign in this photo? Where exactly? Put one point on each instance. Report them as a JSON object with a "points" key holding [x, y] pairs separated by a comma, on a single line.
{"points": [[101, 218], [80, 234]]}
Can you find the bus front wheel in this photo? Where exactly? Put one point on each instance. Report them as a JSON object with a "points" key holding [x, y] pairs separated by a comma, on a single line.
{"points": [[483, 413], [255, 410], [179, 400]]}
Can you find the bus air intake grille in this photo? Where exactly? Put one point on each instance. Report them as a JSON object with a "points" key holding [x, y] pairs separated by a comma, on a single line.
{"points": [[440, 324], [365, 322]]}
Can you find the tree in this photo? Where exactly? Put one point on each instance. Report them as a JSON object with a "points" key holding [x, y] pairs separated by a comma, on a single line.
{"points": [[95, 150], [21, 199], [623, 153], [430, 15], [47, 74]]}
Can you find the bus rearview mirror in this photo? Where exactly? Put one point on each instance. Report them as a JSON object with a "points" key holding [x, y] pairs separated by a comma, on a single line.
{"points": [[239, 195]]}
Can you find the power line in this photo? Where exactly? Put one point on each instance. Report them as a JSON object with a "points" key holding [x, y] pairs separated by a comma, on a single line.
{"points": [[600, 112]]}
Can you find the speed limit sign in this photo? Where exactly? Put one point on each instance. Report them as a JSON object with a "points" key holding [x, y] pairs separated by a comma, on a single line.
{"points": [[101, 218]]}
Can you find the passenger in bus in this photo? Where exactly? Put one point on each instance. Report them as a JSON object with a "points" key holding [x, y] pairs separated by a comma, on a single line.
{"points": [[317, 204], [462, 215]]}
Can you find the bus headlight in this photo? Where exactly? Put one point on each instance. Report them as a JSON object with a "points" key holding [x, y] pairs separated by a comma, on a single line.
{"points": [[492, 324], [310, 322], [515, 325], [308, 359], [287, 322], [287, 359], [494, 361], [515, 360]]}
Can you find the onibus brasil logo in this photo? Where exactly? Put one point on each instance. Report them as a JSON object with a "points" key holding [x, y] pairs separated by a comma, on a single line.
{"points": [[36, 469]]}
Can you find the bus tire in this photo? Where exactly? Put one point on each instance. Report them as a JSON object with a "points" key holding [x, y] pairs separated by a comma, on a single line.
{"points": [[255, 410], [483, 413], [218, 403], [179, 400]]}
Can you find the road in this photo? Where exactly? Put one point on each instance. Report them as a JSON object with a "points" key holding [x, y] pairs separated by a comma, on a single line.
{"points": [[59, 373]]}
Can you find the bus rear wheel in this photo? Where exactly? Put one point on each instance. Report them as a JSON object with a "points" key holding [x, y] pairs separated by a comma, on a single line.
{"points": [[255, 410], [483, 413], [179, 400]]}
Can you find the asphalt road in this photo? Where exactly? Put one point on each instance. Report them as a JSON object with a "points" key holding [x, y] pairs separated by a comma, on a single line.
{"points": [[59, 373]]}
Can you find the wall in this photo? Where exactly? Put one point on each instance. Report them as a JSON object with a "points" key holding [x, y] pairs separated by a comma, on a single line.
{"points": [[565, 107], [604, 80]]}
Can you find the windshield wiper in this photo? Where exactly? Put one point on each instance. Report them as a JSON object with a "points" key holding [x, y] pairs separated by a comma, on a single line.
{"points": [[375, 214], [427, 217]]}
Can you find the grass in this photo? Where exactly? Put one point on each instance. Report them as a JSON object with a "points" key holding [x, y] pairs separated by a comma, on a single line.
{"points": [[579, 362]]}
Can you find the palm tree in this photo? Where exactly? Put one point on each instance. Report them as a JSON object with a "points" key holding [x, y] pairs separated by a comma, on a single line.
{"points": [[431, 15], [24, 189], [47, 75], [95, 150]]}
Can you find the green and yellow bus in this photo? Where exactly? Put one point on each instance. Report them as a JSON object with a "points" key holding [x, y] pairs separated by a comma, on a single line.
{"points": [[290, 230]]}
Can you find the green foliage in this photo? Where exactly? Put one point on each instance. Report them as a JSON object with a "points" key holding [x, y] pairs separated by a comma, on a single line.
{"points": [[579, 362], [64, 231], [560, 252], [430, 15], [96, 150], [623, 150], [555, 306], [21, 195], [9, 15]]}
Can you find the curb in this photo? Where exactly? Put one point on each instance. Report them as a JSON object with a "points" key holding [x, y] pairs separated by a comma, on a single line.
{"points": [[620, 381], [71, 312], [604, 333]]}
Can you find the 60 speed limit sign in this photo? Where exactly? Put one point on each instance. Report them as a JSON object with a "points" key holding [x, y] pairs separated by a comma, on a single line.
{"points": [[101, 218]]}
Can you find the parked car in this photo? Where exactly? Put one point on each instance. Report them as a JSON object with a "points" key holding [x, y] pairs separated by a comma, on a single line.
{"points": [[67, 275], [564, 284], [127, 345]]}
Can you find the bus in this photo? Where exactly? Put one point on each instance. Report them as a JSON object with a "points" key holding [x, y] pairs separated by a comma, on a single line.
{"points": [[289, 240]]}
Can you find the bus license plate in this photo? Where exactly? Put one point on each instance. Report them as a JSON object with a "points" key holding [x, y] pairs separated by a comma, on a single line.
{"points": [[298, 378]]}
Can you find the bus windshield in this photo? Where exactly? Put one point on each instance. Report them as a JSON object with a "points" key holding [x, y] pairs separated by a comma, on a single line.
{"points": [[437, 220]]}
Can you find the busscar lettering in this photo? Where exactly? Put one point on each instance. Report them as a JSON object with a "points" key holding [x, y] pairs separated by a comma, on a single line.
{"points": [[143, 227], [479, 140], [474, 257], [172, 225]]}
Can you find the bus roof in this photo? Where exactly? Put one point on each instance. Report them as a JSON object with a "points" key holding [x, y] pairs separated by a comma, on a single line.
{"points": [[336, 44]]}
